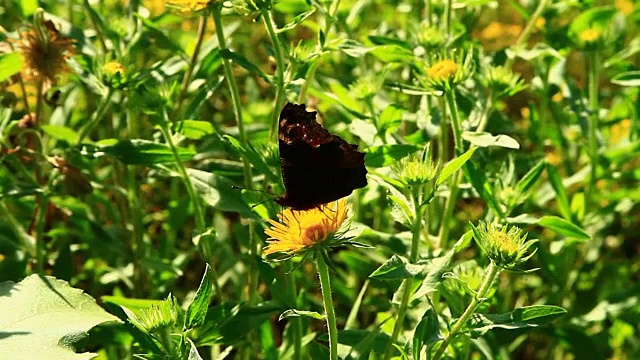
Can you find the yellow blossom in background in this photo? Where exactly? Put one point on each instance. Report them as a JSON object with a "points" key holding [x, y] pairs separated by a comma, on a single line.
{"points": [[45, 50], [299, 230], [443, 70], [620, 131], [189, 6], [112, 67], [499, 35], [557, 97], [624, 6], [590, 35], [540, 22]]}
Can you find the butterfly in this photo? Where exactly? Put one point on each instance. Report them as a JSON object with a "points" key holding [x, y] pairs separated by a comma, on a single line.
{"points": [[317, 166]]}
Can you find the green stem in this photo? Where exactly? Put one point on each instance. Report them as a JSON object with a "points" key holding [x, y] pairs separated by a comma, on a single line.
{"points": [[296, 322], [248, 177], [455, 120], [491, 273], [195, 200], [325, 285], [40, 250], [407, 283], [267, 16], [94, 22], [448, 10], [186, 80], [97, 116], [524, 36], [593, 121]]}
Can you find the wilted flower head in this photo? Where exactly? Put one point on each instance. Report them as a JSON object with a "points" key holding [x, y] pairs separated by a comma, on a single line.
{"points": [[502, 81], [302, 230], [45, 50], [505, 246]]}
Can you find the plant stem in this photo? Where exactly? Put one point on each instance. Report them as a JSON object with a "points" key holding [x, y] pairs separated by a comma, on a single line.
{"points": [[248, 177], [413, 257], [97, 116], [449, 9], [296, 322], [491, 273], [43, 204], [325, 285], [195, 200], [443, 234], [186, 80], [593, 122], [267, 16], [524, 36]]}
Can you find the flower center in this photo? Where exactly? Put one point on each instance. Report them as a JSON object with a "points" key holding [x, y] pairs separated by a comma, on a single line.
{"points": [[315, 233], [443, 70]]}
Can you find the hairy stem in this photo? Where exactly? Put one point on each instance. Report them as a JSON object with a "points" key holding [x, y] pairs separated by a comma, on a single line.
{"points": [[325, 285]]}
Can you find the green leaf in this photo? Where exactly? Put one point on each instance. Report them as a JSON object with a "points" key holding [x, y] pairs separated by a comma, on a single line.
{"points": [[197, 310], [218, 193], [385, 155], [522, 318], [484, 139], [297, 313], [628, 79], [296, 20], [563, 227], [195, 129], [434, 268], [393, 54], [241, 60], [390, 118], [246, 319], [42, 316], [530, 178], [136, 151], [562, 199], [427, 333], [10, 64], [452, 166], [411, 89], [61, 133], [482, 186], [396, 268]]}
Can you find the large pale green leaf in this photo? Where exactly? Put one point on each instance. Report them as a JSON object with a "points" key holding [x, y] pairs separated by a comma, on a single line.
{"points": [[42, 316], [485, 139]]}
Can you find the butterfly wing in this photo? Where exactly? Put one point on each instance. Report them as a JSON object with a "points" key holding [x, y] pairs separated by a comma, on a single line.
{"points": [[317, 167]]}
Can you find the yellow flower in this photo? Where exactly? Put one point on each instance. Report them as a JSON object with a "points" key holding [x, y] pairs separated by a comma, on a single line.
{"points": [[44, 50], [624, 6], [189, 6], [112, 67], [299, 230], [443, 70], [590, 35]]}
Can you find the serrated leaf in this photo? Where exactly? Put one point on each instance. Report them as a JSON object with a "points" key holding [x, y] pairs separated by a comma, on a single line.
{"points": [[452, 166], [197, 310], [43, 315], [195, 129], [563, 227], [396, 268], [10, 64], [484, 139], [435, 268], [427, 333], [218, 193], [136, 151], [297, 313], [521, 318], [385, 155]]}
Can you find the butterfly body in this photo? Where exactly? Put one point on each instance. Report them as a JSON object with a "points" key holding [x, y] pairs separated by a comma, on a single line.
{"points": [[317, 166]]}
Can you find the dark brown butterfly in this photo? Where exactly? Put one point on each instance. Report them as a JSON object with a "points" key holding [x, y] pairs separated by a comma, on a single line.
{"points": [[317, 167]]}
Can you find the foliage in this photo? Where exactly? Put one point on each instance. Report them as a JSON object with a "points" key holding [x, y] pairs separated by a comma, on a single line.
{"points": [[138, 151]]}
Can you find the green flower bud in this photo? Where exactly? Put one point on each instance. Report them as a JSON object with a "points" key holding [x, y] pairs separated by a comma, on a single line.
{"points": [[506, 246]]}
